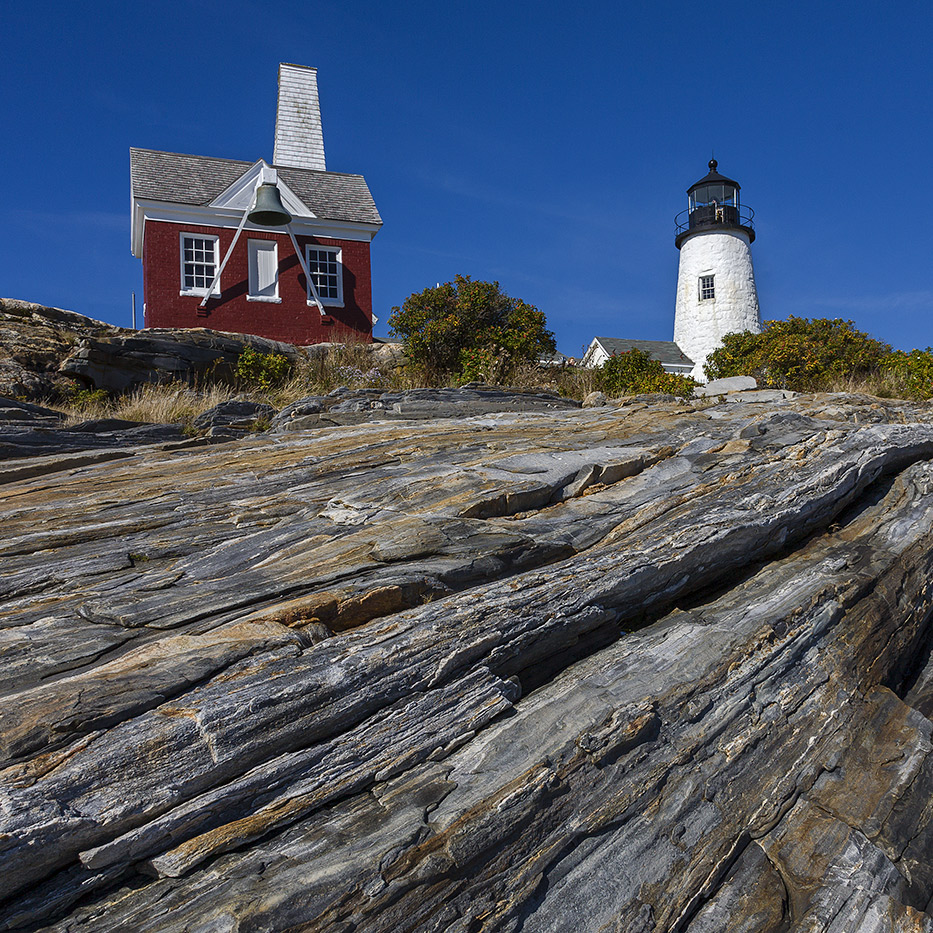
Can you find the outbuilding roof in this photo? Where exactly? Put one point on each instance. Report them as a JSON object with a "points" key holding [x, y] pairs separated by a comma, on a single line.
{"points": [[664, 351], [190, 179]]}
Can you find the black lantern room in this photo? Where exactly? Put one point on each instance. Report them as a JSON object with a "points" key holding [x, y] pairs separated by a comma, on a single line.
{"points": [[713, 202]]}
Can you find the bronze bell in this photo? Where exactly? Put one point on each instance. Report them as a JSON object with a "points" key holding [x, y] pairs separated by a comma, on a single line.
{"points": [[268, 211]]}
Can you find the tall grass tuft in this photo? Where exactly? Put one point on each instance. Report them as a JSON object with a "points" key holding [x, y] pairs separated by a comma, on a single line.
{"points": [[172, 403]]}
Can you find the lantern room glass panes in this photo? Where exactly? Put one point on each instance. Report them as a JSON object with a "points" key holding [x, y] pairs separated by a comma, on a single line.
{"points": [[326, 273], [714, 194], [198, 263]]}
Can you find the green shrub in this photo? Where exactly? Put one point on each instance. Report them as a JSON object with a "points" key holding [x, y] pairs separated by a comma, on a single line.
{"points": [[469, 329], [89, 401], [635, 372], [800, 354], [263, 371], [909, 375]]}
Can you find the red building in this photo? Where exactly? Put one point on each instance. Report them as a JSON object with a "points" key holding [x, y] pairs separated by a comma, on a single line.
{"points": [[303, 279]]}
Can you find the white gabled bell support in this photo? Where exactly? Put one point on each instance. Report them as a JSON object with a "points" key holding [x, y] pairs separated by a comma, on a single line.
{"points": [[268, 176]]}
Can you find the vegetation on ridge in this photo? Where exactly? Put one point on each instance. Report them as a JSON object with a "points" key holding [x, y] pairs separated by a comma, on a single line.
{"points": [[823, 355], [469, 329], [635, 373], [262, 371], [503, 341]]}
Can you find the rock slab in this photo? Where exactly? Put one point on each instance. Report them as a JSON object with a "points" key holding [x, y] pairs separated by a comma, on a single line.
{"points": [[662, 667]]}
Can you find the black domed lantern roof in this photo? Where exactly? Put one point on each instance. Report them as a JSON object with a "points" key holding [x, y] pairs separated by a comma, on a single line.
{"points": [[713, 201], [714, 178]]}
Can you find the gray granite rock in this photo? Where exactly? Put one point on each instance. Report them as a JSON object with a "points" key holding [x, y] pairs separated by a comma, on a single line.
{"points": [[34, 340], [14, 413], [120, 362], [235, 415], [30, 431], [662, 667], [356, 406], [760, 395], [725, 386]]}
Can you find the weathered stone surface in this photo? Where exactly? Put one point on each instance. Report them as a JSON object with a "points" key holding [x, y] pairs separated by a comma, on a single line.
{"points": [[463, 402], [725, 386], [42, 350], [346, 406], [15, 413], [595, 399], [120, 362], [760, 395], [33, 342], [33, 432], [234, 415], [662, 667]]}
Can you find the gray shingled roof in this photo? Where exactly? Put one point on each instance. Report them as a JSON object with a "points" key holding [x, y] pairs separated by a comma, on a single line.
{"points": [[664, 351], [191, 179]]}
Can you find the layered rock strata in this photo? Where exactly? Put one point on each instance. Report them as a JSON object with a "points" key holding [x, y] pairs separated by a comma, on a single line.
{"points": [[658, 668], [44, 351]]}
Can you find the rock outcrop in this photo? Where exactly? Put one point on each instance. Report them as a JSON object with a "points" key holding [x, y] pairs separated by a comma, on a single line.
{"points": [[44, 350], [35, 431], [35, 340], [32, 431], [121, 362], [356, 406], [660, 667]]}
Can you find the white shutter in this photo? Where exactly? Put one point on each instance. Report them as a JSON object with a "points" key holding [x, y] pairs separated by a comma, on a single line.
{"points": [[263, 269]]}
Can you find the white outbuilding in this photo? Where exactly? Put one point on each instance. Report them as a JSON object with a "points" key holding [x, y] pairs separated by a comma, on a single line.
{"points": [[667, 353], [716, 292]]}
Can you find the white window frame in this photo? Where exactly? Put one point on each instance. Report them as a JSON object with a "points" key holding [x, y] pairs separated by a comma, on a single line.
{"points": [[207, 237], [707, 283], [255, 246], [330, 300]]}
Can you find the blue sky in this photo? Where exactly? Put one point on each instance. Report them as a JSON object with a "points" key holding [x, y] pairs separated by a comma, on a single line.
{"points": [[545, 145]]}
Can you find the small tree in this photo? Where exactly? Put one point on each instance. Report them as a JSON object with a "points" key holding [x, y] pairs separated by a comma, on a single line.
{"points": [[635, 372], [799, 354], [472, 329]]}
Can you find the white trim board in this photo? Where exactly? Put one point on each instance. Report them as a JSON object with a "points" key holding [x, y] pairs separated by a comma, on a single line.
{"points": [[192, 215], [239, 195]]}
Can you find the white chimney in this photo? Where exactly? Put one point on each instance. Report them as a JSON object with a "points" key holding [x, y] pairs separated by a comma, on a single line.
{"points": [[299, 138]]}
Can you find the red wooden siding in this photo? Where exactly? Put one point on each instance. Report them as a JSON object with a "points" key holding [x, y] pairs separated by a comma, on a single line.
{"points": [[291, 320]]}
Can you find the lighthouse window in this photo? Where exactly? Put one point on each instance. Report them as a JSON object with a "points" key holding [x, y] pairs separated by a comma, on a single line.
{"points": [[707, 287]]}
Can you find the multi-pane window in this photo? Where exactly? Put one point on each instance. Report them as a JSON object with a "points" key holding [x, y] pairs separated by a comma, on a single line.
{"points": [[198, 263], [707, 287], [326, 273]]}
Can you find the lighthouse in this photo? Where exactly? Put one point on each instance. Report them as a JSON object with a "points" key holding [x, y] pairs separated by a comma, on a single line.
{"points": [[715, 281]]}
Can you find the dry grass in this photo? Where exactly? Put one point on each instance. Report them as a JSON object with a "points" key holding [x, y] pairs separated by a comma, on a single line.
{"points": [[356, 366], [567, 381], [152, 404], [169, 404], [326, 368], [879, 384]]}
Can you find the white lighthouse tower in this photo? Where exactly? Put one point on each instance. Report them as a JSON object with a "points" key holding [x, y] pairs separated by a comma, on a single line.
{"points": [[715, 282]]}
